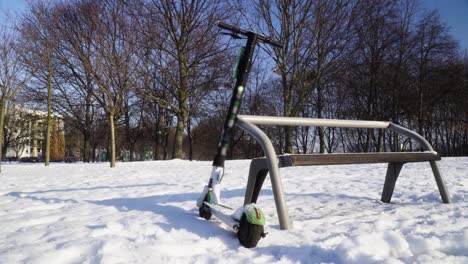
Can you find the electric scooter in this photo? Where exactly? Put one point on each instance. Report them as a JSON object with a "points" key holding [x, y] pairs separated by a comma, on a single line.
{"points": [[248, 221]]}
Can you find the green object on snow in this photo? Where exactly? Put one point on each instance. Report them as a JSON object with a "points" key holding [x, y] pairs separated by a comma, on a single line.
{"points": [[254, 215]]}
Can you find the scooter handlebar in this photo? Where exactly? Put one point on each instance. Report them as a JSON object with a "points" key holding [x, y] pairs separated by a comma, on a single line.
{"points": [[232, 28], [260, 38]]}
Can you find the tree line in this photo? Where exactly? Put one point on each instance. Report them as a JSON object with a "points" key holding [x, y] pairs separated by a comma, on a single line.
{"points": [[152, 78]]}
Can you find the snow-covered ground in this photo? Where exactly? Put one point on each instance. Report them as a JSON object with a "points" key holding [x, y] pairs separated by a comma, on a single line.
{"points": [[144, 212]]}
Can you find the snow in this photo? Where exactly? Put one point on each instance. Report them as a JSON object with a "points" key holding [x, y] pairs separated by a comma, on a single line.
{"points": [[144, 212]]}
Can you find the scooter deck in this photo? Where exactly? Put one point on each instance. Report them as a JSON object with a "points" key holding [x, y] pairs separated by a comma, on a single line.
{"points": [[224, 213]]}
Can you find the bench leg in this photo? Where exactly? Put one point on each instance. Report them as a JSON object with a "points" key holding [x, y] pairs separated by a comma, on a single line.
{"points": [[440, 183], [393, 171], [257, 176], [258, 185]]}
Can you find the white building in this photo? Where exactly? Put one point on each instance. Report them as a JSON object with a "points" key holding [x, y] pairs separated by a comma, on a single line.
{"points": [[25, 132]]}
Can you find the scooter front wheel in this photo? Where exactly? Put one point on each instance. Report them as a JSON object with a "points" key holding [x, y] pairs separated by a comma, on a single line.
{"points": [[249, 234], [205, 212]]}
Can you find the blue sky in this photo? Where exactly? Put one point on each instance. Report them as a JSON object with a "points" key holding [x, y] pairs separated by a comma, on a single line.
{"points": [[12, 4], [453, 12]]}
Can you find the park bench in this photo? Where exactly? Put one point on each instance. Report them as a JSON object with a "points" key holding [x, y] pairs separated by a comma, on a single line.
{"points": [[248, 220], [260, 167]]}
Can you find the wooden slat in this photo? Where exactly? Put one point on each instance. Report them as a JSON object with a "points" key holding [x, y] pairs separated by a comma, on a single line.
{"points": [[362, 158]]}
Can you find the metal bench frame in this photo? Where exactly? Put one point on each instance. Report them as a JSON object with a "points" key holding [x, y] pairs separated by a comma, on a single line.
{"points": [[260, 167]]}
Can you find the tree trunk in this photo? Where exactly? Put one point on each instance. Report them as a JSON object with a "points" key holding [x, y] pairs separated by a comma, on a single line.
{"points": [[85, 154], [156, 148], [288, 131], [87, 132], [319, 115], [157, 135], [49, 111], [421, 95], [179, 138], [368, 140], [190, 139], [2, 120], [288, 139], [166, 143], [93, 158], [129, 144], [112, 143], [132, 151], [156, 145], [182, 113], [380, 140], [420, 111]]}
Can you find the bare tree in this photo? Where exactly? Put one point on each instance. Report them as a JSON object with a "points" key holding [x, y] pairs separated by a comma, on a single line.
{"points": [[400, 63], [77, 28], [37, 29], [13, 75], [133, 117], [289, 22], [433, 44], [332, 32], [375, 38], [115, 48], [158, 115], [187, 39]]}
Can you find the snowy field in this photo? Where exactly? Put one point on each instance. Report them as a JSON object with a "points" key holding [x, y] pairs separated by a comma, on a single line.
{"points": [[144, 212]]}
